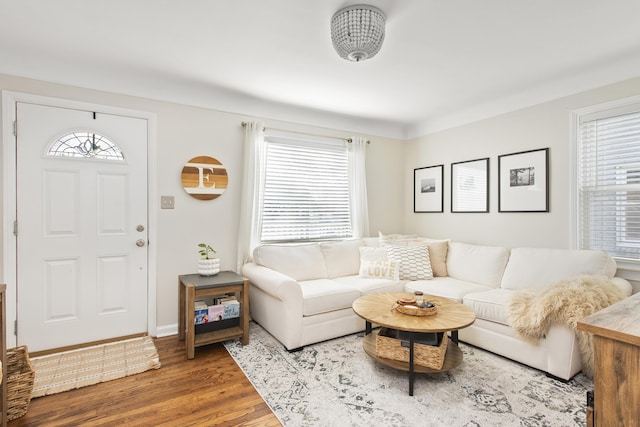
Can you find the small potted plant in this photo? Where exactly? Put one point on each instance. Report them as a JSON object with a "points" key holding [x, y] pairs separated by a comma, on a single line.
{"points": [[208, 265]]}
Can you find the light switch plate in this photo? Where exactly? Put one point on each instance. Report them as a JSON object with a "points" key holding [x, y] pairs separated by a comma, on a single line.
{"points": [[167, 202]]}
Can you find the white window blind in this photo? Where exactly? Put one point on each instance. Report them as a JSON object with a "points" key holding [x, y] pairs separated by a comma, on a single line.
{"points": [[306, 192], [609, 182]]}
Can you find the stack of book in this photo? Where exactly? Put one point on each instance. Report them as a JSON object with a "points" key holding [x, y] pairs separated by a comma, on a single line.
{"points": [[221, 308], [202, 312], [231, 307]]}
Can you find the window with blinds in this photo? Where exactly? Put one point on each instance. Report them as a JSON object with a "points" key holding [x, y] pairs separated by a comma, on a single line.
{"points": [[306, 192], [609, 181]]}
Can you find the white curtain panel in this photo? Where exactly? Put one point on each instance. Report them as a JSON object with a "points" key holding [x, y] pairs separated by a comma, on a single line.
{"points": [[250, 204], [358, 187]]}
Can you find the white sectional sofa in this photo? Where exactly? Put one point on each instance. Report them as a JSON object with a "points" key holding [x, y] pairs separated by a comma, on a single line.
{"points": [[302, 294]]}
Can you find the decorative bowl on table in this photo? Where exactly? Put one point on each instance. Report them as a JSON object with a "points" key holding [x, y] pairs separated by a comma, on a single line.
{"points": [[428, 308]]}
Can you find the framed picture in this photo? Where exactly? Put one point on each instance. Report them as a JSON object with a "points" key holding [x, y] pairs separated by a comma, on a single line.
{"points": [[523, 181], [470, 186], [428, 195]]}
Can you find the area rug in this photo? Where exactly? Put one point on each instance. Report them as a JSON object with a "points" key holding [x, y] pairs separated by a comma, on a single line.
{"points": [[68, 370], [335, 383]]}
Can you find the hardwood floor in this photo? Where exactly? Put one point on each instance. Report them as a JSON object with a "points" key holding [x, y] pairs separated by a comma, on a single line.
{"points": [[209, 390]]}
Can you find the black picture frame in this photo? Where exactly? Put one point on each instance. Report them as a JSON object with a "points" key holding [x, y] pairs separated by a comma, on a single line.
{"points": [[523, 181], [470, 186], [428, 191]]}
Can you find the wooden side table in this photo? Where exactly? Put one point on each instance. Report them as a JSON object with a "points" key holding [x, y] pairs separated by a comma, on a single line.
{"points": [[194, 286], [616, 376]]}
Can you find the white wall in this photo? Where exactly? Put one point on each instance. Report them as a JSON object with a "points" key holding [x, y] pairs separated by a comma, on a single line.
{"points": [[184, 132], [540, 126]]}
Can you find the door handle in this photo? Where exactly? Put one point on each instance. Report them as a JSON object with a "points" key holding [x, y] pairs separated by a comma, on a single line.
{"points": [[140, 243]]}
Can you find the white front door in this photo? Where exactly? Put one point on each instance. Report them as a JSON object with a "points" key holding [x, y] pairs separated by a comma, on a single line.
{"points": [[81, 226]]}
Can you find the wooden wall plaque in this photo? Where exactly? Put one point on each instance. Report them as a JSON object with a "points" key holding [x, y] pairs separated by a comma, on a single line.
{"points": [[204, 178]]}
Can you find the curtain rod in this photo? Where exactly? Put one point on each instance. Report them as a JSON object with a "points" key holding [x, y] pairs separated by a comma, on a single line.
{"points": [[348, 140]]}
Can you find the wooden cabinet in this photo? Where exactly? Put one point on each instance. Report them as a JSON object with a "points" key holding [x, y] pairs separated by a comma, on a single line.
{"points": [[194, 286], [616, 380]]}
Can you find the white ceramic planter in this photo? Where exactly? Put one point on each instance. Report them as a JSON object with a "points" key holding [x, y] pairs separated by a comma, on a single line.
{"points": [[208, 267]]}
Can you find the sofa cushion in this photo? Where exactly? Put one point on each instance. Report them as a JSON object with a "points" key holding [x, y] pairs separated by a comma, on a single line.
{"points": [[479, 264], [438, 256], [490, 305], [371, 241], [325, 295], [341, 258], [371, 286], [396, 239], [413, 260], [379, 269], [387, 269], [368, 253], [374, 263], [437, 248], [300, 262], [539, 267], [446, 287]]}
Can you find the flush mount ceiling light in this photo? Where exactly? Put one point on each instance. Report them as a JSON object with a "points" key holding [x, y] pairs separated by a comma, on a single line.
{"points": [[357, 32]]}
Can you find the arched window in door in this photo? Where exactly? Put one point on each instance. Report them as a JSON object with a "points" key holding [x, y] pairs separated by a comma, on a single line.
{"points": [[85, 144]]}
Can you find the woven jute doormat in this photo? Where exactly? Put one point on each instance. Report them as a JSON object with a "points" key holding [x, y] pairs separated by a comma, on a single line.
{"points": [[68, 370]]}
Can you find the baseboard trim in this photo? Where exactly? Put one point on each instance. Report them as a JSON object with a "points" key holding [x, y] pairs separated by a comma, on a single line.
{"points": [[168, 330]]}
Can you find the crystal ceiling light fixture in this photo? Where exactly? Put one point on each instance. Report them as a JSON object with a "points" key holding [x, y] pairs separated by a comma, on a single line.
{"points": [[357, 32]]}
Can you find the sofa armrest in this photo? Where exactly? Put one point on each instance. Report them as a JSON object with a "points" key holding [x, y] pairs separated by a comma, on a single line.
{"points": [[272, 282], [623, 284]]}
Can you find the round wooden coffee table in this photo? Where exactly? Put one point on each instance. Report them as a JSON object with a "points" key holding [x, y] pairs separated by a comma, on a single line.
{"points": [[378, 309]]}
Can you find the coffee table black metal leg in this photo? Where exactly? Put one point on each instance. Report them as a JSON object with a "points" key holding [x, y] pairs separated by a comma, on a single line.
{"points": [[454, 337], [367, 327], [411, 370]]}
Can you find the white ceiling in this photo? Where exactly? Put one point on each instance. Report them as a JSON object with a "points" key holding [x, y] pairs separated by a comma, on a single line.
{"points": [[442, 63]]}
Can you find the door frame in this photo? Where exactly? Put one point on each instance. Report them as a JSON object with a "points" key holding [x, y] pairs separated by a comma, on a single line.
{"points": [[9, 197]]}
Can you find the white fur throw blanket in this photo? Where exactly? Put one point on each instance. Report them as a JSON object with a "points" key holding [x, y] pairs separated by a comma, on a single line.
{"points": [[566, 302]]}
